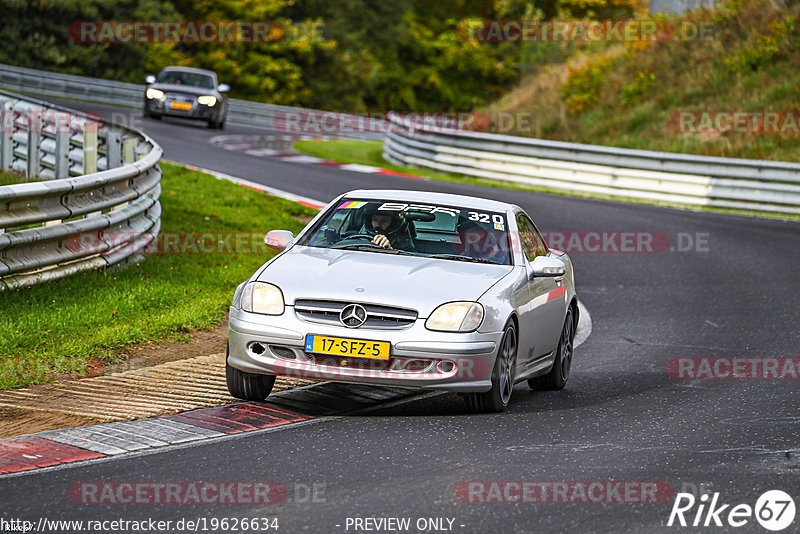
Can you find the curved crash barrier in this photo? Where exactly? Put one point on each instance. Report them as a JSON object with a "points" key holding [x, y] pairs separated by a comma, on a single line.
{"points": [[758, 185], [96, 204]]}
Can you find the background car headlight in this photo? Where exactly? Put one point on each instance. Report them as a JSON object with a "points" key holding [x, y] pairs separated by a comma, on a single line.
{"points": [[155, 94], [260, 297], [456, 317], [207, 100]]}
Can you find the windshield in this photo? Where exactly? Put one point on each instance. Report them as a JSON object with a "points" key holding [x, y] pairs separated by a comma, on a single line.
{"points": [[455, 233], [190, 79]]}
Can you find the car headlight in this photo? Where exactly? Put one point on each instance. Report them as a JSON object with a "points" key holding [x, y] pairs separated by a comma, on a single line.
{"points": [[456, 317], [155, 94], [260, 297], [207, 100]]}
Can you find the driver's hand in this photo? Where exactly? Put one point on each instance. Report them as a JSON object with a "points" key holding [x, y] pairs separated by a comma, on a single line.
{"points": [[382, 241]]}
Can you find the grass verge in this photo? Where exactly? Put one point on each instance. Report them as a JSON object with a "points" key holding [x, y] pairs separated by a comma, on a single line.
{"points": [[69, 326], [371, 153], [11, 178]]}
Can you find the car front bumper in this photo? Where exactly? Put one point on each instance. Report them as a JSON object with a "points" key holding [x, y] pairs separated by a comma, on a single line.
{"points": [[459, 362], [197, 111]]}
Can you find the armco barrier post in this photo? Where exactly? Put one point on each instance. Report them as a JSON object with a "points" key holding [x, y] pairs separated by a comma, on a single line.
{"points": [[34, 134], [90, 147], [6, 133], [62, 155], [114, 149], [129, 146], [142, 149]]}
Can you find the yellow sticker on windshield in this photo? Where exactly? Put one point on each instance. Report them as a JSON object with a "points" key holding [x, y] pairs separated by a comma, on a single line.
{"points": [[350, 205], [499, 226]]}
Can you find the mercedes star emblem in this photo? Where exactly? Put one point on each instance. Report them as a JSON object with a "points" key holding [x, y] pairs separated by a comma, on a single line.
{"points": [[353, 315]]}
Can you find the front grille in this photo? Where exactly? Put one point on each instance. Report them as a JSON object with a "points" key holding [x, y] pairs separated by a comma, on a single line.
{"points": [[327, 312], [282, 352], [368, 365], [178, 97], [344, 362]]}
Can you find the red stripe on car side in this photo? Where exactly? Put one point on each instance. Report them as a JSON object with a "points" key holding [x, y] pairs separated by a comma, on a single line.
{"points": [[557, 293]]}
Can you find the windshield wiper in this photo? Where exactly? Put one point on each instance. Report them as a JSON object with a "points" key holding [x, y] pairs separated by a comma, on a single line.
{"points": [[371, 247], [459, 257]]}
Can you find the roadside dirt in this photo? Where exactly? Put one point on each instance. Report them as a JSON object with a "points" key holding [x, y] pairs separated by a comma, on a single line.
{"points": [[200, 342], [15, 421], [18, 421]]}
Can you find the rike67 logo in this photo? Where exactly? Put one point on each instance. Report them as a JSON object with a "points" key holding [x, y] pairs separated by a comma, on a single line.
{"points": [[774, 510]]}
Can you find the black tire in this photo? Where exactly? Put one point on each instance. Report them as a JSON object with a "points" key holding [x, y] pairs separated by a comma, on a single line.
{"points": [[211, 124], [558, 375], [248, 386], [497, 399]]}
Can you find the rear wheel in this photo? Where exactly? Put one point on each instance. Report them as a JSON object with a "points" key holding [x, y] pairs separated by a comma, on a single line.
{"points": [[559, 374], [497, 398], [248, 386]]}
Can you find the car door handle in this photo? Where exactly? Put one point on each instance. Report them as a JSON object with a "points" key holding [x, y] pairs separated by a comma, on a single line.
{"points": [[558, 280]]}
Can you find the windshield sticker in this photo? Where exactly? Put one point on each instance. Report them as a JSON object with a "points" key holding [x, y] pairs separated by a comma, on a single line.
{"points": [[496, 218], [350, 204], [399, 206]]}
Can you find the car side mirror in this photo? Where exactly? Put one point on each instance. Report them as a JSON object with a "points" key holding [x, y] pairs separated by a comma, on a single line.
{"points": [[223, 88], [150, 79], [548, 266], [278, 239]]}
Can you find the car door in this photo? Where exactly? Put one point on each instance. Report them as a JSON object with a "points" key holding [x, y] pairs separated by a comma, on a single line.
{"points": [[545, 309]]}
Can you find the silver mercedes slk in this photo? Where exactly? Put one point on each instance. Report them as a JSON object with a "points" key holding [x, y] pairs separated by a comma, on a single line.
{"points": [[410, 289]]}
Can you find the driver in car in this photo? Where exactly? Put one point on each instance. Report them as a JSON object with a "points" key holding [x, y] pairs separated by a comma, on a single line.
{"points": [[388, 229]]}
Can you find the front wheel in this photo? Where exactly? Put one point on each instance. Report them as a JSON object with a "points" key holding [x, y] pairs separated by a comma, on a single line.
{"points": [[248, 386], [559, 374], [497, 398]]}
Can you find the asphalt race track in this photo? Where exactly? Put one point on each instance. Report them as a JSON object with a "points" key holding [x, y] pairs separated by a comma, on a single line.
{"points": [[715, 286]]}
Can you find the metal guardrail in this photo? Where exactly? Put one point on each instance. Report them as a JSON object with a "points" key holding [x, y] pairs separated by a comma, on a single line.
{"points": [[679, 6], [285, 119], [97, 205], [759, 185]]}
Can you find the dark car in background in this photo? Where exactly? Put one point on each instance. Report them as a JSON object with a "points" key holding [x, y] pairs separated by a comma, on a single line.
{"points": [[188, 93]]}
